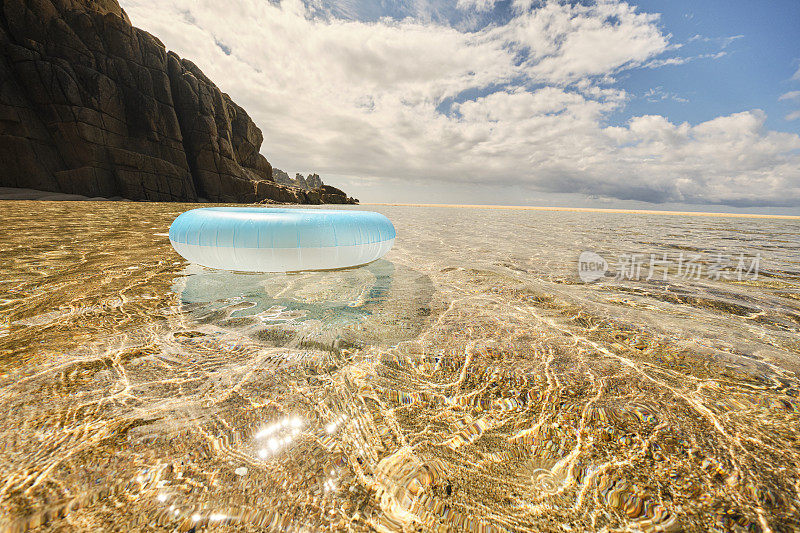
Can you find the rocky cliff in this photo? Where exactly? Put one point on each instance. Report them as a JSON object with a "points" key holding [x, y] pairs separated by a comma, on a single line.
{"points": [[91, 105]]}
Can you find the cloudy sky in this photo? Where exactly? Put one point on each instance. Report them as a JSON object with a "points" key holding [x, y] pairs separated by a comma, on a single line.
{"points": [[653, 104]]}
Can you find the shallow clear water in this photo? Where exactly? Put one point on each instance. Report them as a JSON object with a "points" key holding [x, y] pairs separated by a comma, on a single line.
{"points": [[467, 381]]}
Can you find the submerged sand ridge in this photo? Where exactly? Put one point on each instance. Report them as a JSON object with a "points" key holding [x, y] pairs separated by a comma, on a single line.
{"points": [[467, 382]]}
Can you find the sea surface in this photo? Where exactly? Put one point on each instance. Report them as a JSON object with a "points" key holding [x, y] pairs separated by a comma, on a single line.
{"points": [[468, 381]]}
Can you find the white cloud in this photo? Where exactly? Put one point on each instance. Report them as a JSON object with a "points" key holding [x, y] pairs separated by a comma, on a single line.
{"points": [[730, 159], [569, 42], [792, 95], [727, 41], [658, 94], [478, 5], [524, 103], [674, 61]]}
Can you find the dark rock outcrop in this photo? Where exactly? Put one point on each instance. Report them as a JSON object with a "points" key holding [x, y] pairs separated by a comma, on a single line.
{"points": [[321, 195], [91, 105], [332, 195]]}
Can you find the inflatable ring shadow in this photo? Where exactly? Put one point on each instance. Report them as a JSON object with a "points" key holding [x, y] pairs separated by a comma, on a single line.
{"points": [[336, 298]]}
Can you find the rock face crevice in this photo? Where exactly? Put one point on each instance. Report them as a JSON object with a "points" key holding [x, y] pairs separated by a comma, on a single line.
{"points": [[91, 105]]}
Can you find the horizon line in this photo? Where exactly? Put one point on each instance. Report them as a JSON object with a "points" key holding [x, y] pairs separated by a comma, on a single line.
{"points": [[590, 210]]}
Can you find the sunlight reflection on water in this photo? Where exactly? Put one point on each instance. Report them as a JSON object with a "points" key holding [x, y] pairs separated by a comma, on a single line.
{"points": [[469, 381]]}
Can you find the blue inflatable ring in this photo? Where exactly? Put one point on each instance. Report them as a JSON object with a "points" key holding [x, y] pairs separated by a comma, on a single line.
{"points": [[261, 239]]}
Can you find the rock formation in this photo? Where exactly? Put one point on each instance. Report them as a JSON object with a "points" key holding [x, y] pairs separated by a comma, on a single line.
{"points": [[91, 105], [316, 191], [279, 176], [313, 181]]}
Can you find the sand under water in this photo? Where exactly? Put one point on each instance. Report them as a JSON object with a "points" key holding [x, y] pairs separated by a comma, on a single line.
{"points": [[468, 381]]}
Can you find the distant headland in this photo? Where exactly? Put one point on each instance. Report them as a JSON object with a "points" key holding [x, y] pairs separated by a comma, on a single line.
{"points": [[597, 210]]}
